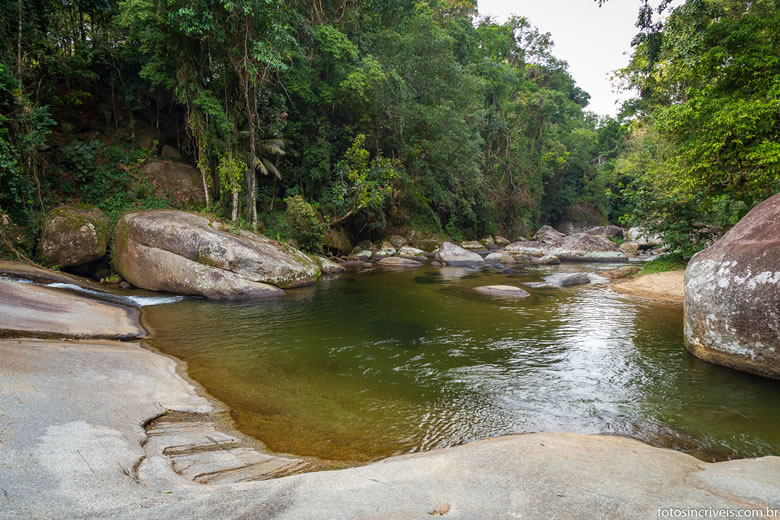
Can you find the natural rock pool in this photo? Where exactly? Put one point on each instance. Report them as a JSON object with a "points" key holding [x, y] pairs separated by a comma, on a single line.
{"points": [[368, 365]]}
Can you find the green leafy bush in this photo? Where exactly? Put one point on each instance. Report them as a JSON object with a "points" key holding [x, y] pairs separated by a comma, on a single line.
{"points": [[303, 223]]}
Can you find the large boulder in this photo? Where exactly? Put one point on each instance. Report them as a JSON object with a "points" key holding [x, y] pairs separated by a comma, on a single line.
{"points": [[456, 256], [74, 235], [184, 253], [176, 181], [732, 295]]}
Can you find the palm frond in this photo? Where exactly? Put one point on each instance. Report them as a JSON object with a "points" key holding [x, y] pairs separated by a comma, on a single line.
{"points": [[272, 168]]}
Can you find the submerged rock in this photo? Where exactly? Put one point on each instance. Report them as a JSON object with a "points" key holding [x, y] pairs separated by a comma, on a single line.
{"points": [[732, 295], [74, 235], [185, 253], [452, 255], [567, 279], [503, 291]]}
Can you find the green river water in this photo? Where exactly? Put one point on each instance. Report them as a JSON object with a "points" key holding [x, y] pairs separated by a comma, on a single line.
{"points": [[368, 365]]}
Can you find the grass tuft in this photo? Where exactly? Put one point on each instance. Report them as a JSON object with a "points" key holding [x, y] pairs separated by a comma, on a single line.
{"points": [[664, 263]]}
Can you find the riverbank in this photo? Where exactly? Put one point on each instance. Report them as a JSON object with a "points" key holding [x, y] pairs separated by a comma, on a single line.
{"points": [[76, 422], [661, 287]]}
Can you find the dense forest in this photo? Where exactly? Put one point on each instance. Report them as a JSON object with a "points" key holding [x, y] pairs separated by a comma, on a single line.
{"points": [[383, 115]]}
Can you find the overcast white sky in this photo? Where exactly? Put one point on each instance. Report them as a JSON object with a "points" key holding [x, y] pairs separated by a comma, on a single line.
{"points": [[594, 40]]}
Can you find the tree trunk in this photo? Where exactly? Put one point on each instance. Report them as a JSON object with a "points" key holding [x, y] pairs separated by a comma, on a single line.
{"points": [[19, 43], [235, 206], [205, 187]]}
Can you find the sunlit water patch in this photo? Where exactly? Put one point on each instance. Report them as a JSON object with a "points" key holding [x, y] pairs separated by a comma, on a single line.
{"points": [[365, 366]]}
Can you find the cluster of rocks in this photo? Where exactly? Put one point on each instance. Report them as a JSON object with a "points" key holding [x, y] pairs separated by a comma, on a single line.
{"points": [[184, 253], [548, 247]]}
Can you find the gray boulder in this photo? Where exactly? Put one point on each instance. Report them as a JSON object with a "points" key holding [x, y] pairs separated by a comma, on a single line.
{"points": [[503, 291], [74, 235], [329, 266], [452, 255], [732, 295], [567, 279], [184, 253]]}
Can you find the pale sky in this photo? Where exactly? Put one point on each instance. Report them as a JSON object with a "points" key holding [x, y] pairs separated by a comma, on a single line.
{"points": [[593, 40]]}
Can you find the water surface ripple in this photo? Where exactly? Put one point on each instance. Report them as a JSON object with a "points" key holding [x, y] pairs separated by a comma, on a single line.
{"points": [[365, 366]]}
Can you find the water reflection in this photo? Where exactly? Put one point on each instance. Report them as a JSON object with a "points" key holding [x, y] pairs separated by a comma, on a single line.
{"points": [[369, 365]]}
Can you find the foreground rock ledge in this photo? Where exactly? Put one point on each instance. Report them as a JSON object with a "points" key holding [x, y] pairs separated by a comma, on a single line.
{"points": [[73, 426], [42, 312]]}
